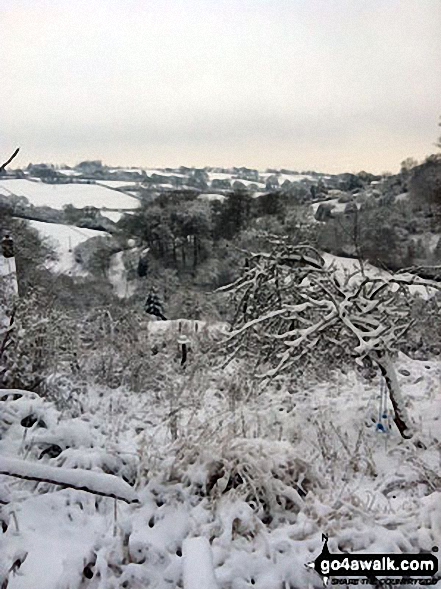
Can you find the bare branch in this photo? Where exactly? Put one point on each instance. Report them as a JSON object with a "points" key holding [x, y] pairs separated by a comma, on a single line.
{"points": [[7, 162]]}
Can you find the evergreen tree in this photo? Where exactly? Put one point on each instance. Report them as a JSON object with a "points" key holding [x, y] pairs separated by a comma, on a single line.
{"points": [[153, 306]]}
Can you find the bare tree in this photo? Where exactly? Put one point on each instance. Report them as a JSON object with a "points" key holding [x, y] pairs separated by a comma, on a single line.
{"points": [[294, 311]]}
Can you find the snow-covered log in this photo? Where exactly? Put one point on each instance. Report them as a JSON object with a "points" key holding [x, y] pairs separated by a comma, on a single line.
{"points": [[198, 564], [97, 483]]}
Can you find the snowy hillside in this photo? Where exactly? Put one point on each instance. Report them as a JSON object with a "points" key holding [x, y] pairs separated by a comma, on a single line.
{"points": [[351, 267], [64, 238], [57, 196]]}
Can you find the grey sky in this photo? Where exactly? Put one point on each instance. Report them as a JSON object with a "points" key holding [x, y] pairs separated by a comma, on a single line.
{"points": [[331, 85]]}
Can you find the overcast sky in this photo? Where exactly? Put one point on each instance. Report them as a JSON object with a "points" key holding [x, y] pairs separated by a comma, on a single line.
{"points": [[331, 85]]}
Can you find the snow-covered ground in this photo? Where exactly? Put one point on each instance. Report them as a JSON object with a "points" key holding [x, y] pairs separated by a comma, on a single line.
{"points": [[290, 177], [212, 196], [158, 172], [58, 195], [114, 216], [255, 482], [69, 172], [259, 185], [130, 170], [338, 207], [187, 327], [117, 183], [65, 238], [350, 267], [219, 176]]}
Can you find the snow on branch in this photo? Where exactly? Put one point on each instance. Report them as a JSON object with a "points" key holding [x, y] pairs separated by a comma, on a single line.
{"points": [[281, 292], [98, 483], [293, 309]]}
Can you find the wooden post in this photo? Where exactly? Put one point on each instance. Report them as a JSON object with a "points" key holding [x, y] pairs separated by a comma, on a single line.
{"points": [[183, 341], [8, 276]]}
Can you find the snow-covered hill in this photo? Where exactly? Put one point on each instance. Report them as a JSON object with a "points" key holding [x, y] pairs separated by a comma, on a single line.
{"points": [[64, 238], [57, 196]]}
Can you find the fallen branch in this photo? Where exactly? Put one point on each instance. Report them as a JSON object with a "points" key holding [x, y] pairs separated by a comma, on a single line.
{"points": [[106, 485]]}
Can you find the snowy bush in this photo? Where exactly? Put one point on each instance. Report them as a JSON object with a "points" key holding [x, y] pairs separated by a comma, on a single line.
{"points": [[269, 476], [41, 341]]}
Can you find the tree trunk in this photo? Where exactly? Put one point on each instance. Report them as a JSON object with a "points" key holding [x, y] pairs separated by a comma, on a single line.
{"points": [[175, 257], [401, 417], [195, 252], [184, 261]]}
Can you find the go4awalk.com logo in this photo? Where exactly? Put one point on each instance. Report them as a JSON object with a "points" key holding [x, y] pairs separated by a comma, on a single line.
{"points": [[376, 569]]}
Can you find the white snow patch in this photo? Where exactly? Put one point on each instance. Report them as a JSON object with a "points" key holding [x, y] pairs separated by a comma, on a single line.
{"points": [[57, 196], [348, 266], [114, 216], [70, 172], [117, 183], [163, 173], [118, 277], [212, 196], [65, 238], [338, 207], [219, 176], [198, 564], [50, 539]]}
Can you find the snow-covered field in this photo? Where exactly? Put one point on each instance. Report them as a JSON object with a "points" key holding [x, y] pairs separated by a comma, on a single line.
{"points": [[260, 185], [58, 195], [290, 177], [339, 207], [65, 238], [69, 172], [158, 172], [219, 176], [117, 183], [211, 197], [114, 216], [351, 267]]}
